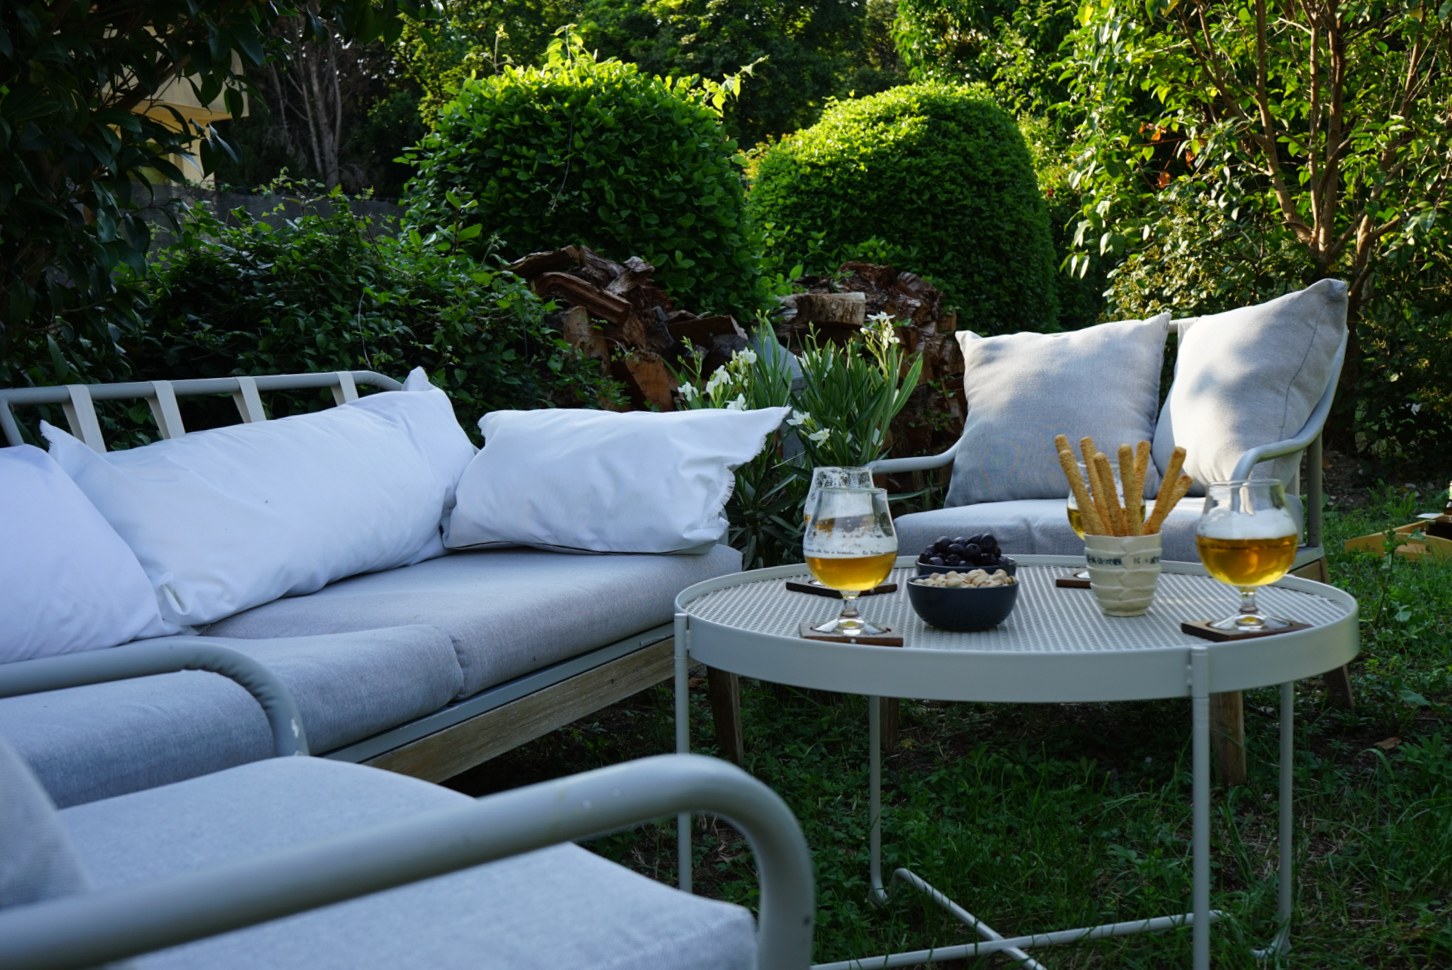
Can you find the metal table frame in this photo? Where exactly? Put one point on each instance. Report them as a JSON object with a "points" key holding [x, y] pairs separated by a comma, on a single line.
{"points": [[1055, 647]]}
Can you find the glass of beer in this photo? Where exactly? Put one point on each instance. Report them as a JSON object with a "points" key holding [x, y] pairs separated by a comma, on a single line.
{"points": [[1247, 538], [850, 546]]}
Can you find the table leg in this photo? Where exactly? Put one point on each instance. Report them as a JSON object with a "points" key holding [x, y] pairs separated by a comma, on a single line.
{"points": [[1200, 802], [1285, 872], [683, 744], [878, 892]]}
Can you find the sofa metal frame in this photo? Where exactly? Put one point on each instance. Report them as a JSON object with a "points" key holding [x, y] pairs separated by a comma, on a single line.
{"points": [[92, 928], [458, 737]]}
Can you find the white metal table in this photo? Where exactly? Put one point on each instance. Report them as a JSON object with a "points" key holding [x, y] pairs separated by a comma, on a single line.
{"points": [[1056, 647]]}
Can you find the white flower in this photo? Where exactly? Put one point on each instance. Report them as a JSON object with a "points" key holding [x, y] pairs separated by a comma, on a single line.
{"points": [[718, 379], [745, 357], [798, 418], [817, 437], [688, 392], [739, 404], [1416, 408]]}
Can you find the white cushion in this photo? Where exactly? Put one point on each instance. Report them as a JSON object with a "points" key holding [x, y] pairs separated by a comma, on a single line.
{"points": [[1248, 377], [67, 581], [225, 519], [429, 417], [1025, 388], [600, 481]]}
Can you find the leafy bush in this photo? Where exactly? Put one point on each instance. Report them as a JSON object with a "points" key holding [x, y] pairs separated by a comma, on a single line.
{"points": [[322, 292], [930, 177], [593, 152]]}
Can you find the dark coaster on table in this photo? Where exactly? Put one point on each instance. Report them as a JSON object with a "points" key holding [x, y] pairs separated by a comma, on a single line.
{"points": [[887, 638], [799, 586], [1071, 582], [1203, 629]]}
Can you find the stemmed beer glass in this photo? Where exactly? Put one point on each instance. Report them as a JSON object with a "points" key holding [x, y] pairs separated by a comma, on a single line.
{"points": [[850, 546], [1247, 538]]}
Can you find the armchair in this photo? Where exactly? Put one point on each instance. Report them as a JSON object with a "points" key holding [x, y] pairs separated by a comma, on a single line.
{"points": [[300, 861]]}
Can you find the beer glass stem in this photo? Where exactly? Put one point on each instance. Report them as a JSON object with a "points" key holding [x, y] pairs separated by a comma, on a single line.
{"points": [[1247, 603]]}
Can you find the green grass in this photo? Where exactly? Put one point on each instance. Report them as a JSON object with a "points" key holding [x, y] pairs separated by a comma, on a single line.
{"points": [[1039, 817]]}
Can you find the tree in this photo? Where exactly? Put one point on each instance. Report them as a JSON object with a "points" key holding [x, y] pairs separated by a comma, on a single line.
{"points": [[1322, 122], [78, 163]]}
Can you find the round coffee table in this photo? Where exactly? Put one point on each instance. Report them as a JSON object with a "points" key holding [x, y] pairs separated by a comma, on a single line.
{"points": [[1056, 647]]}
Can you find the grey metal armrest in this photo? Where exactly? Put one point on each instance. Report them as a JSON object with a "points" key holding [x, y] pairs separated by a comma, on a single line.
{"points": [[166, 656], [137, 919], [914, 463]]}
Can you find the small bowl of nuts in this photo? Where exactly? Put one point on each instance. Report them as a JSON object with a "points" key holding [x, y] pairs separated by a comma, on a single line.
{"points": [[963, 601], [964, 554]]}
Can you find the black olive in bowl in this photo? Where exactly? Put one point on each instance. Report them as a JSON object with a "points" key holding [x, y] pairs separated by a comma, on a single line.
{"points": [[962, 608], [1008, 565]]}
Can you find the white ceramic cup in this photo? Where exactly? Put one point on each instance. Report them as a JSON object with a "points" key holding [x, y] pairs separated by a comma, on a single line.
{"points": [[1123, 572]]}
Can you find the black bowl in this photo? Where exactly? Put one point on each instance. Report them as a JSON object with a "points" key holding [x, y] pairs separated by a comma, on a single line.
{"points": [[962, 608], [1008, 565]]}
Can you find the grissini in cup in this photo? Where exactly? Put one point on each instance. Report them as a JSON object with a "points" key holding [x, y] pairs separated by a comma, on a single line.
{"points": [[1099, 501]]}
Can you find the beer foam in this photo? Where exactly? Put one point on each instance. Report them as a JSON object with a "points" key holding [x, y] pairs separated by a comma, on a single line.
{"points": [[1224, 523], [850, 546]]}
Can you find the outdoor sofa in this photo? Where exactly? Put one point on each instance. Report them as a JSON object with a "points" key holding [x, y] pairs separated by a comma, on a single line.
{"points": [[314, 544]]}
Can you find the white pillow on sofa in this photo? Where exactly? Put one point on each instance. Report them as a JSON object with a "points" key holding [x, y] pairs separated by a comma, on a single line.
{"points": [[67, 581], [601, 481], [1248, 377], [1025, 388], [229, 518]]}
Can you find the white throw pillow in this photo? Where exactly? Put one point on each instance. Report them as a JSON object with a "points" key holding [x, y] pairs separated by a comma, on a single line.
{"points": [[428, 415], [1249, 377], [1025, 388], [226, 519], [67, 581], [600, 481]]}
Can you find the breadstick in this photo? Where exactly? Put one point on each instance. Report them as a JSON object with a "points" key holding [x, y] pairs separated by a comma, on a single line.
{"points": [[1141, 470], [1080, 491], [1088, 449], [1104, 478], [1172, 470], [1165, 502], [1133, 506]]}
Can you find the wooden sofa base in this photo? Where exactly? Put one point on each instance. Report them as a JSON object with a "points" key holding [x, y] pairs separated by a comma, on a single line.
{"points": [[459, 747]]}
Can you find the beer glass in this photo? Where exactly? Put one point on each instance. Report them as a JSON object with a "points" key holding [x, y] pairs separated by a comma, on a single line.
{"points": [[834, 476], [1247, 538], [850, 546]]}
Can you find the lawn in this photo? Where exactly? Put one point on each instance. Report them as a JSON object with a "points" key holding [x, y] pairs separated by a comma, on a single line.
{"points": [[1041, 817]]}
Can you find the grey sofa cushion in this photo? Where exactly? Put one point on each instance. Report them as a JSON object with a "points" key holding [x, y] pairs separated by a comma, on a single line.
{"points": [[507, 611], [37, 860], [106, 739], [558, 907], [1040, 527]]}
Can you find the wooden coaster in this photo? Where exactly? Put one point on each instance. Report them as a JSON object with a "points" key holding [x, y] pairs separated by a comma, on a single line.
{"points": [[885, 639], [1203, 629], [806, 587], [1071, 582]]}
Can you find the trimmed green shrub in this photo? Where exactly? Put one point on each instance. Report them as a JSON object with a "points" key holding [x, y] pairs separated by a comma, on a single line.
{"points": [[324, 292], [593, 152], [932, 178]]}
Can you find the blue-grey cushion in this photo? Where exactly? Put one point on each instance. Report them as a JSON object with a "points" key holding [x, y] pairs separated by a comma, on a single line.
{"points": [[1037, 527], [507, 611], [37, 860], [1248, 377], [1024, 388], [558, 907], [105, 739]]}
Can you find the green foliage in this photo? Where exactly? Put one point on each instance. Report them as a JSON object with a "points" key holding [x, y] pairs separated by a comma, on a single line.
{"points": [[799, 54], [930, 177], [597, 153], [1311, 141], [842, 410], [77, 161], [329, 291]]}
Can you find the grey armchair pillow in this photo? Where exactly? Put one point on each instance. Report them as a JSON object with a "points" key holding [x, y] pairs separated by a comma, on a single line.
{"points": [[1248, 377], [1025, 388]]}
